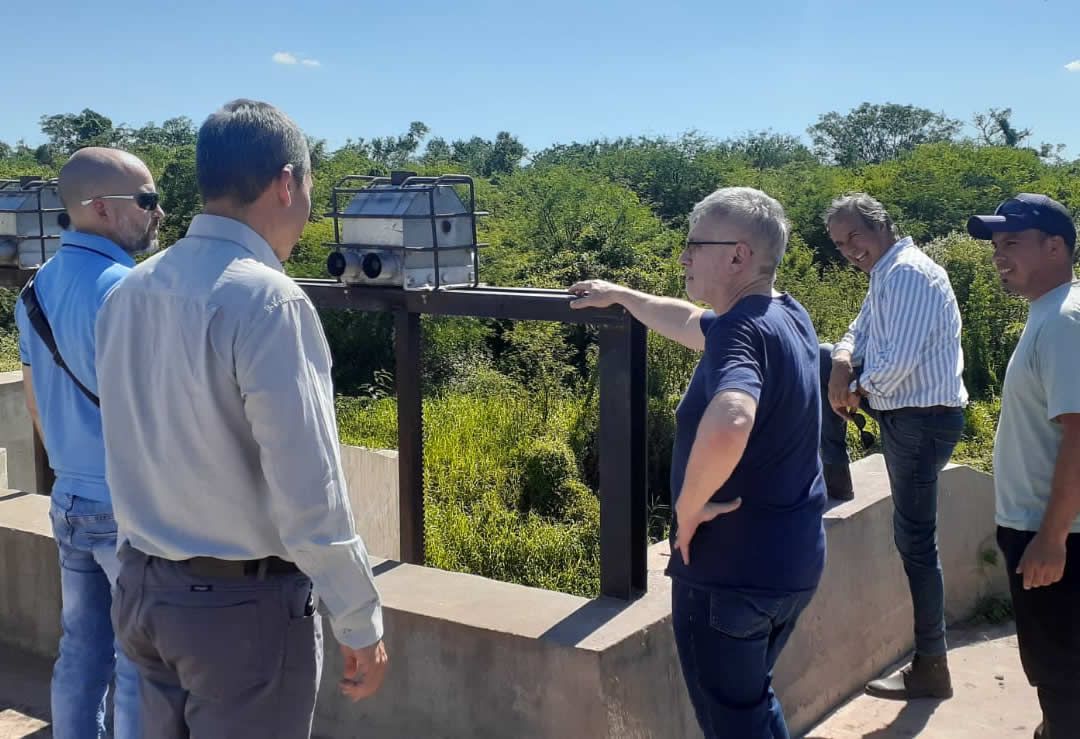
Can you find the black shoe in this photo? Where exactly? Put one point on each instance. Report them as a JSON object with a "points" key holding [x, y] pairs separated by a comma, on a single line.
{"points": [[838, 481], [925, 677], [1041, 732]]}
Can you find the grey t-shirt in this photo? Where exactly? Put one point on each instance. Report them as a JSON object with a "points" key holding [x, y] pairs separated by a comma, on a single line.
{"points": [[1041, 383]]}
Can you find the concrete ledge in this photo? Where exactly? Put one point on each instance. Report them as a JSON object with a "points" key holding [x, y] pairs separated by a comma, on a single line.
{"points": [[29, 574], [372, 478], [472, 657], [860, 621], [16, 433]]}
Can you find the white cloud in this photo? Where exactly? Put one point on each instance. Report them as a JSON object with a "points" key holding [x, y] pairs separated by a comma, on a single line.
{"points": [[1073, 66], [290, 58]]}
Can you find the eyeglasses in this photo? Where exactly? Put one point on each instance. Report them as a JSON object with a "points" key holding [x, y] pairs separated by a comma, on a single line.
{"points": [[711, 243], [145, 200], [868, 439]]}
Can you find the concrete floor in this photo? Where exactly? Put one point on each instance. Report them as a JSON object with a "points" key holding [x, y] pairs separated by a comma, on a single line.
{"points": [[992, 701], [24, 695], [992, 698]]}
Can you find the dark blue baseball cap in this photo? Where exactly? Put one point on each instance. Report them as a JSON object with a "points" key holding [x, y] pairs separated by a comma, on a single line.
{"points": [[1023, 212]]}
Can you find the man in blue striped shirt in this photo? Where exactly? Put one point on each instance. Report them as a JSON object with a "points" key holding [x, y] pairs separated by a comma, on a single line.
{"points": [[902, 360]]}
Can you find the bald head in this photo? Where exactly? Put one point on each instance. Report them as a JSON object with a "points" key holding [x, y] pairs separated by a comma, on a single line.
{"points": [[97, 171], [110, 179]]}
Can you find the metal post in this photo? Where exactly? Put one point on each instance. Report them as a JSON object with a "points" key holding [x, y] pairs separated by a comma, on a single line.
{"points": [[623, 460], [410, 435]]}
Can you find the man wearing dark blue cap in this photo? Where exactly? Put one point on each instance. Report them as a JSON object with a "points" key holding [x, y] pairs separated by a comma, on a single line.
{"points": [[1037, 450]]}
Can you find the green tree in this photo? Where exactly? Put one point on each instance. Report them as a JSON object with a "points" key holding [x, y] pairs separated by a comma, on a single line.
{"points": [[179, 194], [937, 187], [556, 225], [68, 132], [871, 134], [172, 133], [767, 150], [996, 128]]}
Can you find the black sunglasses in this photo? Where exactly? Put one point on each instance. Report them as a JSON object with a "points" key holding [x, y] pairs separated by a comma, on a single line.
{"points": [[145, 200], [711, 243], [868, 439]]}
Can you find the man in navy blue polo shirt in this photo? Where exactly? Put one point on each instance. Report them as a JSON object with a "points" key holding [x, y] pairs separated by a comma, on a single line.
{"points": [[110, 198], [748, 545]]}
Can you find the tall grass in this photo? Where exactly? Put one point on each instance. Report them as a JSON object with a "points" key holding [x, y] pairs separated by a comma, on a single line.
{"points": [[480, 453]]}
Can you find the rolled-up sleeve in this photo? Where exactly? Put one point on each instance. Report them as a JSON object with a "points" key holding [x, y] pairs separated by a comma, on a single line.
{"points": [[283, 371]]}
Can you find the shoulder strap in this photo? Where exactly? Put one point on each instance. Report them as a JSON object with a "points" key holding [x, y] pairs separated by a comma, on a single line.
{"points": [[44, 331]]}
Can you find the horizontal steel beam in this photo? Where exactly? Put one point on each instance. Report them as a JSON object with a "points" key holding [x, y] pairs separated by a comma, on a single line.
{"points": [[517, 304]]}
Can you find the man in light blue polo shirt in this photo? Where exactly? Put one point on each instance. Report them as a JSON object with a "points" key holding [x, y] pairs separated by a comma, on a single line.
{"points": [[1037, 449], [110, 197]]}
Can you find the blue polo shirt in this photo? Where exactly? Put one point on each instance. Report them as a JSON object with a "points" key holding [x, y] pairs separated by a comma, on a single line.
{"points": [[765, 347], [71, 286]]}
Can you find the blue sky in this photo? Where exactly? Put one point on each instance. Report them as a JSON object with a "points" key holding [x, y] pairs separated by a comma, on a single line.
{"points": [[551, 71]]}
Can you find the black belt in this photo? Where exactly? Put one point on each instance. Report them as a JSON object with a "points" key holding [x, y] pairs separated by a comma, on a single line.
{"points": [[932, 410], [213, 567]]}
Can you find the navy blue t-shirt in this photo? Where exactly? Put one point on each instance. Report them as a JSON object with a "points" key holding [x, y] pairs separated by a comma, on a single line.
{"points": [[767, 348]]}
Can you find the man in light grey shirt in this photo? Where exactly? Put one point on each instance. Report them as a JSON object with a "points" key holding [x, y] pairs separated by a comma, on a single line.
{"points": [[1037, 450], [222, 454]]}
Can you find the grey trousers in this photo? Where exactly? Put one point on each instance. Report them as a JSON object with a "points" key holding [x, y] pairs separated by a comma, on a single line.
{"points": [[218, 657]]}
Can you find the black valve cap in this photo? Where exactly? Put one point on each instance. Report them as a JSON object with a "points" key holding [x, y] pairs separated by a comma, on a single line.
{"points": [[335, 264], [371, 264]]}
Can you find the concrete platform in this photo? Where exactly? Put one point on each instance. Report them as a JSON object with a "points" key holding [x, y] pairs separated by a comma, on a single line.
{"points": [[992, 698]]}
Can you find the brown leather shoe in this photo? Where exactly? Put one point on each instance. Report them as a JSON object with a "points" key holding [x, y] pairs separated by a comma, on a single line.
{"points": [[925, 677], [838, 481]]}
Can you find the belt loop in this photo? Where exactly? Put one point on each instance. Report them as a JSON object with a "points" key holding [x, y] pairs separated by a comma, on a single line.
{"points": [[261, 572]]}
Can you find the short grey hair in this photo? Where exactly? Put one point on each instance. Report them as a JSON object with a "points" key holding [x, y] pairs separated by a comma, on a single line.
{"points": [[864, 208], [760, 217], [243, 147]]}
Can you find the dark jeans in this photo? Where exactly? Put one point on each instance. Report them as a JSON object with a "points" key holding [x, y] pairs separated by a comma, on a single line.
{"points": [[218, 656], [728, 642], [917, 445], [1048, 629], [833, 427]]}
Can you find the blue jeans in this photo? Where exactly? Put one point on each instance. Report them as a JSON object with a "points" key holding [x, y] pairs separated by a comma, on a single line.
{"points": [[833, 427], [918, 443], [728, 643], [85, 531]]}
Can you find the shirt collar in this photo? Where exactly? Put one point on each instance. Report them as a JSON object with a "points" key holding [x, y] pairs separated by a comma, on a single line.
{"points": [[103, 246], [891, 254], [220, 228]]}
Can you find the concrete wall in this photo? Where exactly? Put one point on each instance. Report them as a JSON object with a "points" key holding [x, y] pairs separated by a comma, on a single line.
{"points": [[370, 473], [372, 477], [860, 621], [16, 433], [29, 574], [472, 657]]}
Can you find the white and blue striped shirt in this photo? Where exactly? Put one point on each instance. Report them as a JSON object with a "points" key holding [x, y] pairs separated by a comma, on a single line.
{"points": [[907, 334]]}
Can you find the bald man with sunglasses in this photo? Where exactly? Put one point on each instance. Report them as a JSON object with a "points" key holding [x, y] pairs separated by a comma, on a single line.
{"points": [[114, 213]]}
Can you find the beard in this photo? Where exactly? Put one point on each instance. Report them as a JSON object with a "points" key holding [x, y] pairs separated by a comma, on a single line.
{"points": [[144, 243], [151, 246]]}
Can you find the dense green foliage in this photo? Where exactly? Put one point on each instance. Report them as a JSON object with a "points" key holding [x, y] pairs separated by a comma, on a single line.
{"points": [[511, 409]]}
